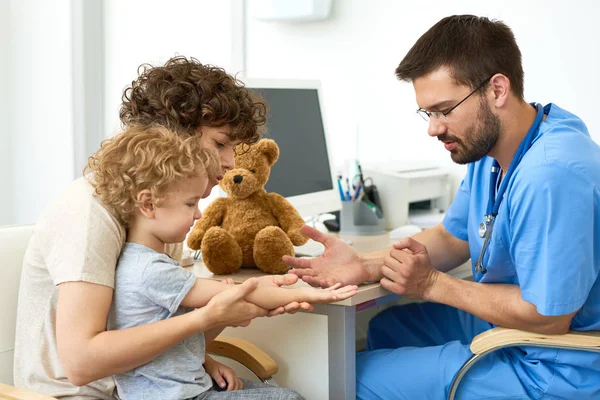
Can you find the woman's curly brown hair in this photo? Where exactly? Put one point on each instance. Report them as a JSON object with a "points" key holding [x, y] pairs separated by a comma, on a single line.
{"points": [[184, 95], [143, 158]]}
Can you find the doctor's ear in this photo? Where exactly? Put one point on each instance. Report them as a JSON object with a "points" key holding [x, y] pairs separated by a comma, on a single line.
{"points": [[500, 85], [145, 204]]}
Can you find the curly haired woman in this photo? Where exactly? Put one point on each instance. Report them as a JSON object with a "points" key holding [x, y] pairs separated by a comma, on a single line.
{"points": [[63, 348]]}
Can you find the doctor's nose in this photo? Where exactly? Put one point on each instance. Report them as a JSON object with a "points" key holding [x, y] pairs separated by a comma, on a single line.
{"points": [[437, 126]]}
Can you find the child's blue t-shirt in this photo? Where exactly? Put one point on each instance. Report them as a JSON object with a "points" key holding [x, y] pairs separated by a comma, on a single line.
{"points": [[149, 287]]}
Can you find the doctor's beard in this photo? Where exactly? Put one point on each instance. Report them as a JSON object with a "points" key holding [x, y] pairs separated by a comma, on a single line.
{"points": [[479, 138]]}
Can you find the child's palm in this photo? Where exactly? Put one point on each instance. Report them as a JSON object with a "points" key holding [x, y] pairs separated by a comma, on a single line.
{"points": [[333, 293]]}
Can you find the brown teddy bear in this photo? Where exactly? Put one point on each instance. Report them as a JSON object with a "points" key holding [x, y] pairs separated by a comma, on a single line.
{"points": [[250, 227]]}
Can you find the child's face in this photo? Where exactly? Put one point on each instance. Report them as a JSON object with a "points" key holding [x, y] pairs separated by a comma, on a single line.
{"points": [[179, 210]]}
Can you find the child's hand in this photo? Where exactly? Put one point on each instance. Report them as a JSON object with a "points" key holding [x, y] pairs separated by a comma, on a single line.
{"points": [[283, 280], [224, 376], [332, 294]]}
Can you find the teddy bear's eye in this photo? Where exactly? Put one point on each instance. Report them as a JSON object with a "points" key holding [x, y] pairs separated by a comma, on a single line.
{"points": [[253, 171]]}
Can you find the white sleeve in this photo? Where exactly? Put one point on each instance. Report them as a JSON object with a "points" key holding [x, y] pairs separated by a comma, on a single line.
{"points": [[79, 239]]}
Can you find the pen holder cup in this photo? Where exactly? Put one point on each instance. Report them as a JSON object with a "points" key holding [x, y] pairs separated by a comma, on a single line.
{"points": [[360, 218]]}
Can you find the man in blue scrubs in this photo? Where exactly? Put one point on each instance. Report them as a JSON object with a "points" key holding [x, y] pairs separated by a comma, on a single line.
{"points": [[540, 268]]}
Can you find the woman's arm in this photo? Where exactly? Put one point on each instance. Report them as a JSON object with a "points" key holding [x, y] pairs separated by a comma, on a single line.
{"points": [[267, 297], [88, 352]]}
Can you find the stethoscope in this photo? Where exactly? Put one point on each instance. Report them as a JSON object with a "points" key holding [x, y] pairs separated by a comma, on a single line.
{"points": [[494, 200]]}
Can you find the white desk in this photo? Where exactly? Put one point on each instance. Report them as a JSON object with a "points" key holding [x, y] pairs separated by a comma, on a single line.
{"points": [[341, 316]]}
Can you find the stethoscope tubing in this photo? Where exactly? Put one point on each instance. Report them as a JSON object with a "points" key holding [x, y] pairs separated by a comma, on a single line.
{"points": [[495, 199]]}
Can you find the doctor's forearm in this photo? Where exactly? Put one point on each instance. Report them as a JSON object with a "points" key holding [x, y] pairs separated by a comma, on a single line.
{"points": [[445, 251], [500, 304]]}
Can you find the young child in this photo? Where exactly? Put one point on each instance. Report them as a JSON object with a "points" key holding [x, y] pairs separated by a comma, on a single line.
{"points": [[152, 179]]}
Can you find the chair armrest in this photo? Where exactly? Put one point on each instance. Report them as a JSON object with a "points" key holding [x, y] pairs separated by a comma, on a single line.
{"points": [[246, 353], [8, 392], [504, 337]]}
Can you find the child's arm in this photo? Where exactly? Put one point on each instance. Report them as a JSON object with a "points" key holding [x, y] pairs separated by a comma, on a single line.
{"points": [[267, 297]]}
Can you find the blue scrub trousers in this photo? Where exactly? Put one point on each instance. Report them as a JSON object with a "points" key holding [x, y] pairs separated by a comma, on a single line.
{"points": [[414, 351]]}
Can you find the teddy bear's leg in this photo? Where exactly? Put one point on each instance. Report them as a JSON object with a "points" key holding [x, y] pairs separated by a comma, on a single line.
{"points": [[220, 251], [270, 244]]}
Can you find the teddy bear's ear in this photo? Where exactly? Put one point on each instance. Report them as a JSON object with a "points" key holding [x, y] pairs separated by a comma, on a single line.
{"points": [[270, 149]]}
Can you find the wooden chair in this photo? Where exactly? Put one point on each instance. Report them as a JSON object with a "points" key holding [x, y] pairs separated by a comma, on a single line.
{"points": [[499, 338], [13, 242]]}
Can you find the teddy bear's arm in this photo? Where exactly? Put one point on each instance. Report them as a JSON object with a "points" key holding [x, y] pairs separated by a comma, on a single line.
{"points": [[212, 216], [289, 219]]}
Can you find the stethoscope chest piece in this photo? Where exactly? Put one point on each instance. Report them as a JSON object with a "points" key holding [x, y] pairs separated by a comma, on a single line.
{"points": [[482, 229], [485, 231]]}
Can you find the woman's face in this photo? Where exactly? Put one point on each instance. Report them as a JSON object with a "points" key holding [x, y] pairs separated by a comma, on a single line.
{"points": [[217, 139]]}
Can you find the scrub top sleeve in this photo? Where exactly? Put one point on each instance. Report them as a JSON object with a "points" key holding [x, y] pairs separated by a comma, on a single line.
{"points": [[552, 237], [457, 216]]}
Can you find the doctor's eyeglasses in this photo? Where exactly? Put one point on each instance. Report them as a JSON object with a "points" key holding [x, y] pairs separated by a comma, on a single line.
{"points": [[427, 115]]}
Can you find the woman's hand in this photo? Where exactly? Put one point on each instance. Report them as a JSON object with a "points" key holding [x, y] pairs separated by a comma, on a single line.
{"points": [[284, 280], [229, 308], [222, 375], [338, 264]]}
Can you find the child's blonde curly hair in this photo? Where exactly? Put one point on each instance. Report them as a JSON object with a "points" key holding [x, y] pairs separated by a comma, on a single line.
{"points": [[145, 158]]}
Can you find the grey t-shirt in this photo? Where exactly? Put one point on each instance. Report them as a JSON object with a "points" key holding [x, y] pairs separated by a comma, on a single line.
{"points": [[149, 287]]}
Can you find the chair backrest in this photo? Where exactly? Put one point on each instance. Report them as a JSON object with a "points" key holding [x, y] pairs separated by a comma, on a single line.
{"points": [[13, 243]]}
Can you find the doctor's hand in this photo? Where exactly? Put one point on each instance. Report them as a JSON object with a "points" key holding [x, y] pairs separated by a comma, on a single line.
{"points": [[407, 270], [340, 263]]}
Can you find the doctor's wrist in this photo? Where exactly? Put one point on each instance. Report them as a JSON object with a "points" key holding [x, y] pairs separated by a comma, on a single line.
{"points": [[371, 268], [434, 288]]}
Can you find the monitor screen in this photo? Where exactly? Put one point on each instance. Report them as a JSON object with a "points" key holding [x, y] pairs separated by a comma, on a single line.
{"points": [[295, 121]]}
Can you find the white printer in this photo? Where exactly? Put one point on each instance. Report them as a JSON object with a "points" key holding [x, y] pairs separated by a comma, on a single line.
{"points": [[415, 193]]}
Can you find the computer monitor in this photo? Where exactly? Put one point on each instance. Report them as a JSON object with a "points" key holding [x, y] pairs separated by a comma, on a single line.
{"points": [[303, 173]]}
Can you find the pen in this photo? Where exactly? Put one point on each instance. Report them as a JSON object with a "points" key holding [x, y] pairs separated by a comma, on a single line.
{"points": [[360, 174], [360, 185], [339, 184], [348, 189]]}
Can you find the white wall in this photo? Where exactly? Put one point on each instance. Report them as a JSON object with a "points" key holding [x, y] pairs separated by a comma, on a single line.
{"points": [[6, 200], [40, 104], [355, 53], [152, 31], [37, 81]]}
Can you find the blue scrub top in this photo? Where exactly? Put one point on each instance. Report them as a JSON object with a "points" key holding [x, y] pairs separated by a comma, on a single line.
{"points": [[546, 237]]}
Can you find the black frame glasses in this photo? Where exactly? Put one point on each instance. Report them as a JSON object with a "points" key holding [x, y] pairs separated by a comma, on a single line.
{"points": [[426, 115]]}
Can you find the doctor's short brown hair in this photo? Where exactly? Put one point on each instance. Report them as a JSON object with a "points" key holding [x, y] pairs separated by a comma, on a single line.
{"points": [[473, 48]]}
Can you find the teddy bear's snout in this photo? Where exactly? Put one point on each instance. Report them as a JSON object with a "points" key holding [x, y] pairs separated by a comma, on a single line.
{"points": [[238, 179]]}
